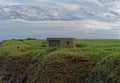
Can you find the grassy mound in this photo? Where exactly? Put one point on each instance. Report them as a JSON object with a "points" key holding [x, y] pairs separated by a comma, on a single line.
{"points": [[65, 67], [56, 67], [31, 61], [14, 69], [107, 71]]}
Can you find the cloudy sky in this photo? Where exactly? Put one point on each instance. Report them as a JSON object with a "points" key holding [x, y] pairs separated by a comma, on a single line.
{"points": [[91, 19]]}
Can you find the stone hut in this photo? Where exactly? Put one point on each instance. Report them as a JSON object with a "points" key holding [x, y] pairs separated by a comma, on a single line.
{"points": [[66, 42]]}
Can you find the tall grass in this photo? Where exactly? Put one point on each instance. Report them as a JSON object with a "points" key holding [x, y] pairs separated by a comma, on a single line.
{"points": [[55, 64]]}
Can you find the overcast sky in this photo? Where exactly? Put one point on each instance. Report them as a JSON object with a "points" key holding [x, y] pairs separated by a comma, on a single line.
{"points": [[85, 28]]}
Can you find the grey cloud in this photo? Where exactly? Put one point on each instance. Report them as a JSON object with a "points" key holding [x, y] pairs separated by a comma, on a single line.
{"points": [[81, 29], [97, 19]]}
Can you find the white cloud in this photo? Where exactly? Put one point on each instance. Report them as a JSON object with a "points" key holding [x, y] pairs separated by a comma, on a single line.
{"points": [[81, 29], [8, 2], [82, 25], [69, 4], [86, 26]]}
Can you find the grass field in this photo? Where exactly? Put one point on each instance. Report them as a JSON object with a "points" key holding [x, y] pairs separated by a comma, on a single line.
{"points": [[31, 61]]}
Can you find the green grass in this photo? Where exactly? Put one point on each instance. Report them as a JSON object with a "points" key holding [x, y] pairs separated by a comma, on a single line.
{"points": [[17, 47], [92, 47], [106, 71], [40, 61]]}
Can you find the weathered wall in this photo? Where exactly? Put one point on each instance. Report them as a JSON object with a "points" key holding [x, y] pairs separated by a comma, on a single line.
{"points": [[67, 42]]}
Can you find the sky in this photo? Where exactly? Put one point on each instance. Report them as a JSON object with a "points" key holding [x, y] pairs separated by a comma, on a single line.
{"points": [[105, 26]]}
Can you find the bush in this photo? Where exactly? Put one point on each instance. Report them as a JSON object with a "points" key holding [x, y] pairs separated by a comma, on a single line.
{"points": [[65, 67], [107, 71], [20, 39], [80, 45], [43, 44], [13, 69], [31, 39]]}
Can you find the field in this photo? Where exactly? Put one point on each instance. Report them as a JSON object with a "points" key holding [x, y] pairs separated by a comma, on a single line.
{"points": [[31, 61]]}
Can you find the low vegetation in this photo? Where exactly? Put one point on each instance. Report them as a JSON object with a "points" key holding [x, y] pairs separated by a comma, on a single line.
{"points": [[106, 71], [31, 61]]}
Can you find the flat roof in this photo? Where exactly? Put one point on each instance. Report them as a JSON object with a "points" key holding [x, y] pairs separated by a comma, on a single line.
{"points": [[60, 38]]}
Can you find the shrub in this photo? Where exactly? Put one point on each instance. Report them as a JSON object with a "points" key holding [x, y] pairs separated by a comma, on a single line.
{"points": [[65, 67], [80, 45], [13, 69], [43, 44], [31, 38], [107, 71], [20, 39]]}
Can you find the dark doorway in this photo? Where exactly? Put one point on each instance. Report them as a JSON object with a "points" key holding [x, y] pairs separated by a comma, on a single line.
{"points": [[68, 43], [54, 42]]}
